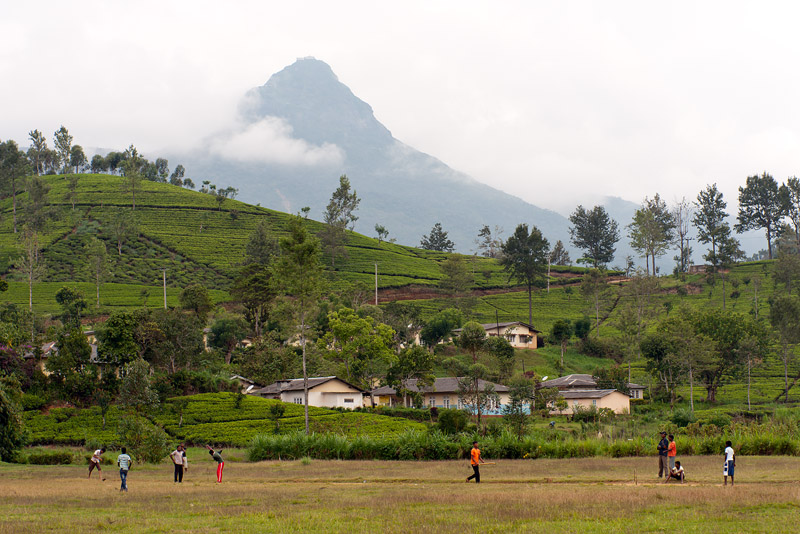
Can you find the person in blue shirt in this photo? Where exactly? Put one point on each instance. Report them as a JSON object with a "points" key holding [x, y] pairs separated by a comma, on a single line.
{"points": [[124, 462]]}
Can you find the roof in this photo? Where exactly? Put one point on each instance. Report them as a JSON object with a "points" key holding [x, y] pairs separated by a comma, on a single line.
{"points": [[296, 384], [587, 393], [579, 381], [495, 326], [440, 385]]}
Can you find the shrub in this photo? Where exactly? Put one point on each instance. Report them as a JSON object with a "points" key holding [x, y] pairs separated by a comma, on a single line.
{"points": [[50, 458], [452, 421], [682, 417], [31, 401], [147, 442]]}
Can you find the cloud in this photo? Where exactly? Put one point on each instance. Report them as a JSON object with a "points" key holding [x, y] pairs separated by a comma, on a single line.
{"points": [[270, 141]]}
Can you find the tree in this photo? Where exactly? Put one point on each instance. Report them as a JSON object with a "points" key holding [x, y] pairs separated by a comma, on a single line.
{"points": [[117, 339], [72, 305], [594, 232], [525, 259], [12, 436], [176, 178], [412, 363], [98, 164], [790, 196], [162, 169], [261, 245], [299, 276], [503, 353], [131, 168], [784, 316], [661, 362], [254, 289], [472, 339], [652, 230], [62, 140], [457, 277], [476, 393], [123, 226], [682, 214], [77, 158], [634, 314], [70, 366], [594, 287], [693, 351], [183, 339], [195, 297], [361, 344], [489, 244], [30, 263], [226, 332], [135, 391], [339, 217], [382, 232], [441, 326], [188, 183], [97, 255], [37, 151], [37, 208], [521, 394], [760, 206], [437, 240], [560, 333], [559, 255], [13, 166]]}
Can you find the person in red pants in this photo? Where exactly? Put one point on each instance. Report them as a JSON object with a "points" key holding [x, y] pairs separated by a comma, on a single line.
{"points": [[217, 455]]}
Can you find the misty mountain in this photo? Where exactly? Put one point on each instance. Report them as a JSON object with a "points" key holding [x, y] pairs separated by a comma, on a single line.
{"points": [[303, 129]]}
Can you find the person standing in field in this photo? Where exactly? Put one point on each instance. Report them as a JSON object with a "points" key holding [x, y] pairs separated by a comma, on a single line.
{"points": [[475, 460], [217, 456], [94, 463], [177, 460], [672, 451], [730, 463], [124, 462], [184, 460], [663, 448]]}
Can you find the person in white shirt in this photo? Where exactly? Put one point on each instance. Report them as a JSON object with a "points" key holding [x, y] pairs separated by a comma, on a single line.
{"points": [[124, 462], [730, 463], [177, 459], [94, 463], [676, 472]]}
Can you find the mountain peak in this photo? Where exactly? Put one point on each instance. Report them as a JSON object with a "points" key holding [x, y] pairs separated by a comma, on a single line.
{"points": [[309, 96]]}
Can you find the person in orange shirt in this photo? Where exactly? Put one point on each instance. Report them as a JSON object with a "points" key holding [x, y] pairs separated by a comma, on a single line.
{"points": [[475, 460], [672, 451]]}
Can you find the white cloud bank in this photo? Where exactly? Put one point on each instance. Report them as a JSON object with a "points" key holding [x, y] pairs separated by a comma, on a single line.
{"points": [[270, 141]]}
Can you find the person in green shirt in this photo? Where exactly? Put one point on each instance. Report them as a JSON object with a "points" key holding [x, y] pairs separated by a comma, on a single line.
{"points": [[217, 456]]}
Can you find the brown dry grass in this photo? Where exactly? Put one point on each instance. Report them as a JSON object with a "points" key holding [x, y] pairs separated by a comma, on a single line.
{"points": [[586, 495]]}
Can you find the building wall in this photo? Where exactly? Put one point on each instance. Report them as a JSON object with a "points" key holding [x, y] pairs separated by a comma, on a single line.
{"points": [[616, 401], [518, 336], [331, 394]]}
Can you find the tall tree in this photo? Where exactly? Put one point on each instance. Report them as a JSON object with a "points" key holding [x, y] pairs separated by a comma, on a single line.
{"points": [[98, 164], [595, 287], [472, 339], [37, 151], [560, 333], [692, 351], [476, 393], [437, 240], [559, 255], [458, 277], [13, 166], [412, 363], [339, 217], [62, 140], [37, 207], [382, 232], [195, 297], [790, 196], [253, 288], [162, 169], [299, 276], [594, 232], [652, 230], [77, 158], [681, 215], [489, 243], [784, 316], [97, 255], [176, 178], [132, 169], [261, 245], [760, 206], [72, 305], [525, 259], [123, 226], [31, 262]]}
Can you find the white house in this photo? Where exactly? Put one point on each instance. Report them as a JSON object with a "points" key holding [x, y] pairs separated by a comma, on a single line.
{"points": [[323, 391], [520, 335], [598, 398], [586, 382]]}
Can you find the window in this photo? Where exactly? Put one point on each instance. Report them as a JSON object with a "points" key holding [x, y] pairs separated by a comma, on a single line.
{"points": [[446, 401], [348, 401], [298, 400], [431, 401], [594, 402]]}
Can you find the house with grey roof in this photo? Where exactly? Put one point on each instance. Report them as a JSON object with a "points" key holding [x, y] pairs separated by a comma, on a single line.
{"points": [[584, 382], [443, 393], [520, 335]]}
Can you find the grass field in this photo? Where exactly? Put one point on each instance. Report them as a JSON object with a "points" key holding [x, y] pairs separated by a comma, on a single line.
{"points": [[590, 495]]}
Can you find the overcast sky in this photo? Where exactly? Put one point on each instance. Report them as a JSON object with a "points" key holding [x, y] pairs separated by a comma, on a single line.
{"points": [[556, 102]]}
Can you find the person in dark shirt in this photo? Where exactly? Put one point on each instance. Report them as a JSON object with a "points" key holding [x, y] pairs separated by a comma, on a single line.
{"points": [[217, 456], [663, 449]]}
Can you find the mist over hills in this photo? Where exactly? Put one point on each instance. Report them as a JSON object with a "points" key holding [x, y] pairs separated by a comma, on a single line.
{"points": [[302, 129]]}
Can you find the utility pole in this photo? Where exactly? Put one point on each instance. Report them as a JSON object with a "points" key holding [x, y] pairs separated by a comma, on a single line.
{"points": [[376, 284], [165, 289]]}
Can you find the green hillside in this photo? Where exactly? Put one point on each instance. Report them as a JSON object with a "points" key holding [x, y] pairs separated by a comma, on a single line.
{"points": [[191, 236]]}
